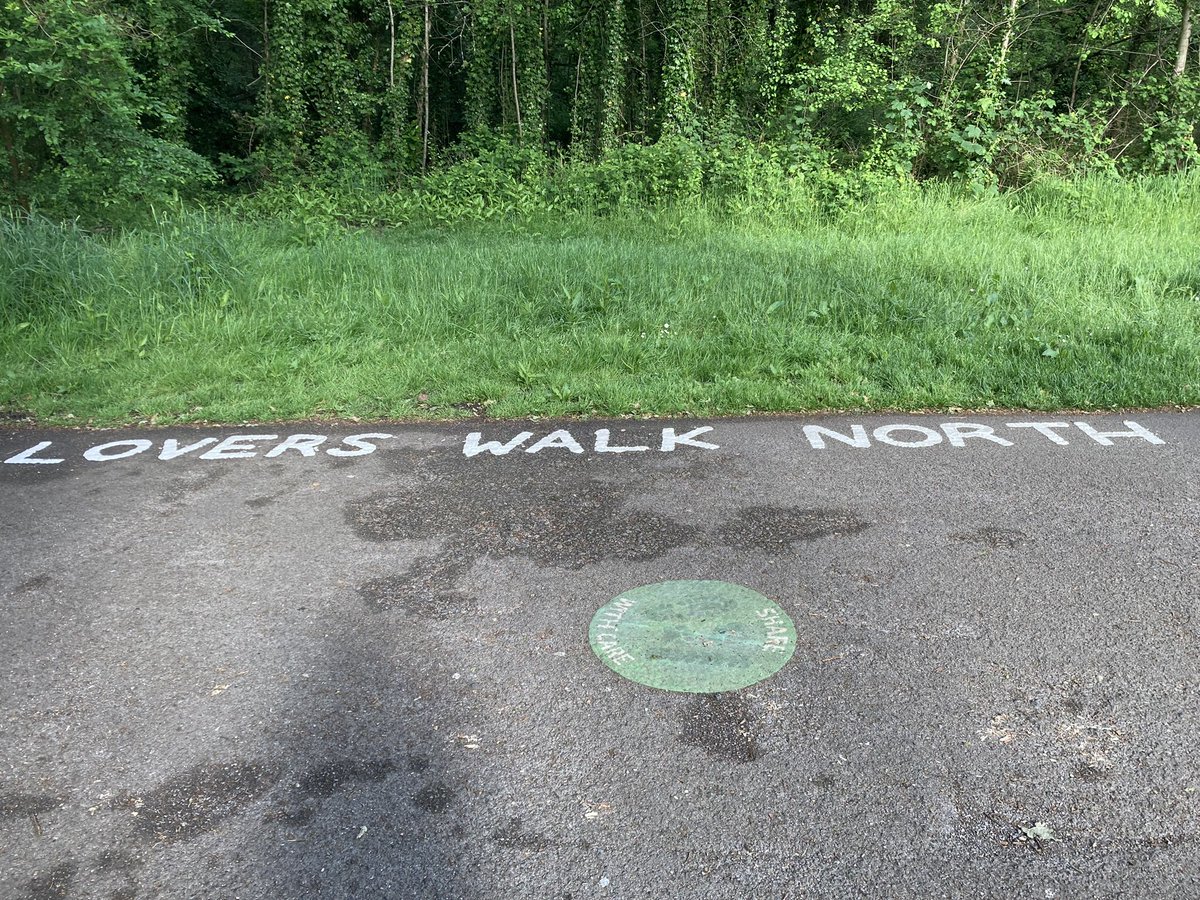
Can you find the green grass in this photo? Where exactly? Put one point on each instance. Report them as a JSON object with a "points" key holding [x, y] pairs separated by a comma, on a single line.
{"points": [[1078, 296]]}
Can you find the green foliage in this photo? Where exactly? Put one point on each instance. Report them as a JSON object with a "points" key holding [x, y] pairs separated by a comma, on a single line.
{"points": [[1170, 124], [854, 61], [495, 179], [72, 113], [113, 103], [1076, 294]]}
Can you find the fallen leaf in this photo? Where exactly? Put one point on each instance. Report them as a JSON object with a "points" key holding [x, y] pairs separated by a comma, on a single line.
{"points": [[1040, 831]]}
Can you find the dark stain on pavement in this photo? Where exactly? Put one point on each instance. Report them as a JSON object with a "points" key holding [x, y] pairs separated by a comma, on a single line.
{"points": [[191, 481], [198, 800], [293, 812], [116, 866], [774, 528], [53, 885], [328, 778], [570, 524], [194, 481], [425, 589], [435, 797], [15, 805], [551, 520], [323, 781], [418, 764], [993, 537], [1092, 772], [37, 581], [514, 836], [720, 724]]}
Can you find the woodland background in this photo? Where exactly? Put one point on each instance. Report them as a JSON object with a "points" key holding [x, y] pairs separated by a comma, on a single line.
{"points": [[372, 106]]}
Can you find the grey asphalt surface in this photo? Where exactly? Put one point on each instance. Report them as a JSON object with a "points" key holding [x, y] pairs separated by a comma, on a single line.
{"points": [[369, 676]]}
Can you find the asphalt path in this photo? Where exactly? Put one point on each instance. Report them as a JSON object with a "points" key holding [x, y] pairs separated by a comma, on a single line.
{"points": [[359, 666]]}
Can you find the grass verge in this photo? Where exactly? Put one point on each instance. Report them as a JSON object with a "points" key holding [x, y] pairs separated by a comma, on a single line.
{"points": [[1064, 295]]}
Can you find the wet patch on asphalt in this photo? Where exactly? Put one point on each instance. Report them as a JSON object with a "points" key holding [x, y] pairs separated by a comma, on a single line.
{"points": [[37, 581], [115, 861], [329, 778], [197, 800], [14, 805], [427, 588], [191, 483], [194, 480], [435, 797], [720, 724], [322, 781], [571, 525], [1092, 771], [533, 513], [52, 885], [774, 528], [561, 526], [854, 569], [119, 868]]}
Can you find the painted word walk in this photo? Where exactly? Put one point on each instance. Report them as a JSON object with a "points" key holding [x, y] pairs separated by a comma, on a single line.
{"points": [[820, 437], [563, 439]]}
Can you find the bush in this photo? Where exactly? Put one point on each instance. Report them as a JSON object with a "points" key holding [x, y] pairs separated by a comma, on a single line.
{"points": [[70, 112]]}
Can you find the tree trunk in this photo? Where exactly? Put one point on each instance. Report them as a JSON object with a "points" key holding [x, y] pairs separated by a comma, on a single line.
{"points": [[425, 90], [612, 87], [1083, 51], [266, 57], [512, 37], [1006, 43], [1185, 38]]}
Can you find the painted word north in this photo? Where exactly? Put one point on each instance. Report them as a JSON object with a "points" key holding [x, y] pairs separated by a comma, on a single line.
{"points": [[958, 434], [236, 446]]}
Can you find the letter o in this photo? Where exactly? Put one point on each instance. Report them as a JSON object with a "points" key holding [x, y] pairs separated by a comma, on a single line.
{"points": [[883, 434], [100, 454]]}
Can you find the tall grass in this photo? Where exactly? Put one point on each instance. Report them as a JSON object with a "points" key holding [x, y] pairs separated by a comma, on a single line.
{"points": [[1081, 295]]}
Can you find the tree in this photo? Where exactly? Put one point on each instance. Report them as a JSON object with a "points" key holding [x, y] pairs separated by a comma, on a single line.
{"points": [[72, 114]]}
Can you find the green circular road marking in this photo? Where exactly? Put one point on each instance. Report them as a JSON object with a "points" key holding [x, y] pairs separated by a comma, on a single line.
{"points": [[703, 637]]}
